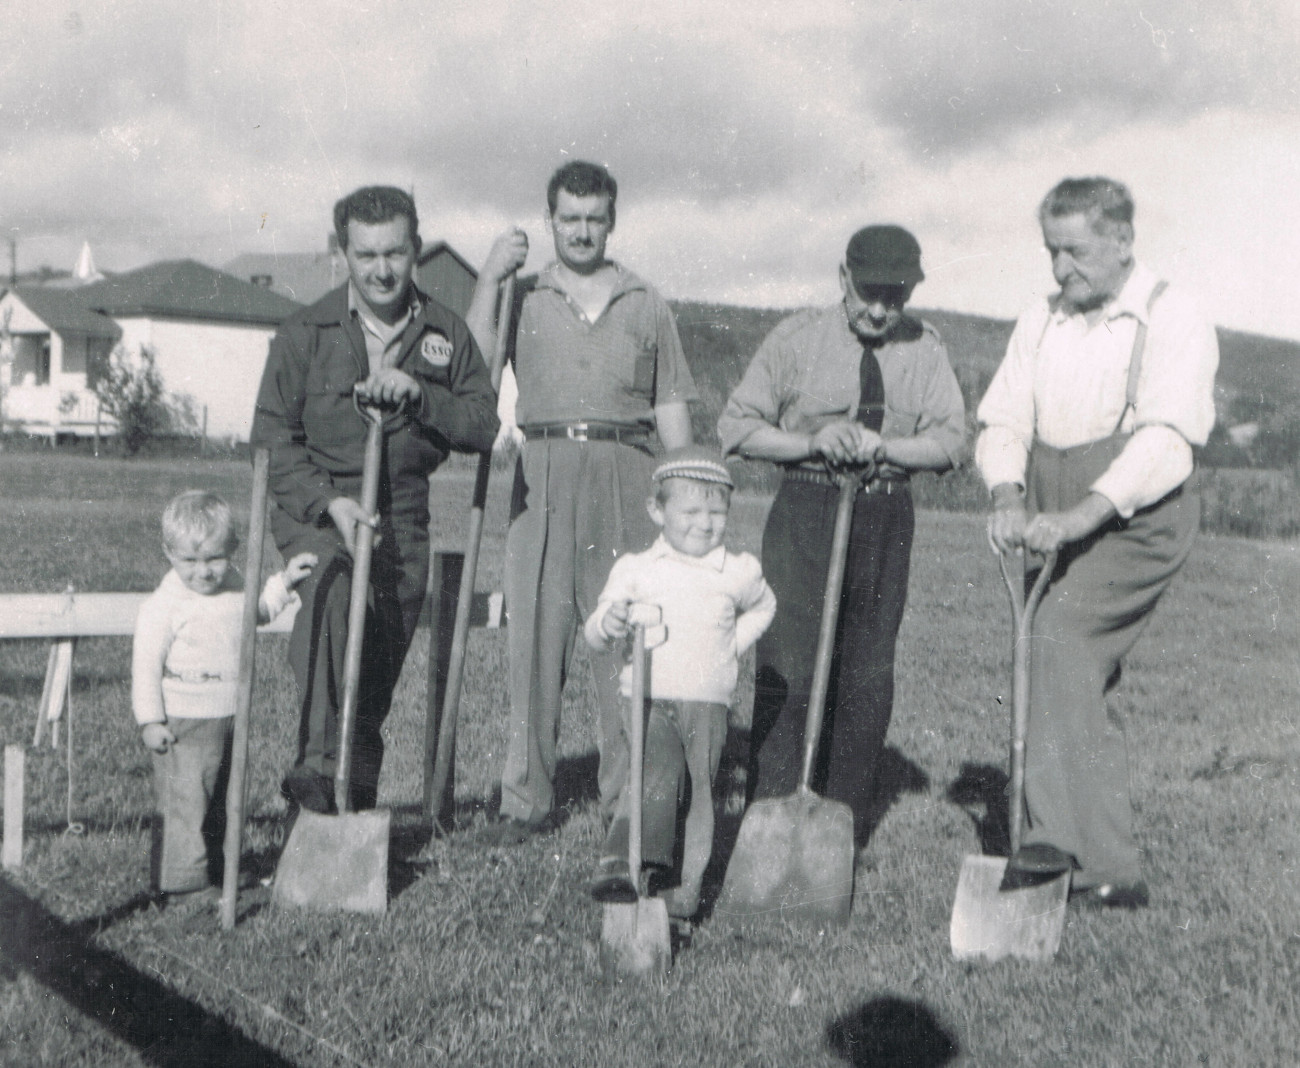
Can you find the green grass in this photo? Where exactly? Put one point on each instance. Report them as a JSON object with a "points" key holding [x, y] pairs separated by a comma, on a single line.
{"points": [[489, 956]]}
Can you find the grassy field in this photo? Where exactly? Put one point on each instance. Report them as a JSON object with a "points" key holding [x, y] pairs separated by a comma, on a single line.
{"points": [[489, 956]]}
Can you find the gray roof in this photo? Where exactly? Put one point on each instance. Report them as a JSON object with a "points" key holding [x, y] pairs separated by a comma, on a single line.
{"points": [[308, 276], [185, 289], [64, 312]]}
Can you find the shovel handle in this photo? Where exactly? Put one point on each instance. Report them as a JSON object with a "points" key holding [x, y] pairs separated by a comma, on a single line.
{"points": [[830, 621], [1023, 610], [636, 753], [437, 800], [363, 544], [235, 792]]}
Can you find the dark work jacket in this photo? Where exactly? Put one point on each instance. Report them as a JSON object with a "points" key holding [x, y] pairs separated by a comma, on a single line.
{"points": [[316, 438]]}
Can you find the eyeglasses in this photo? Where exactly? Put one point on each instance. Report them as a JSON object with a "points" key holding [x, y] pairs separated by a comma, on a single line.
{"points": [[890, 296]]}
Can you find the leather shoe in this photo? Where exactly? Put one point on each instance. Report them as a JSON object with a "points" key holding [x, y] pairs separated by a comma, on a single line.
{"points": [[309, 789], [1040, 859], [612, 883], [1113, 896]]}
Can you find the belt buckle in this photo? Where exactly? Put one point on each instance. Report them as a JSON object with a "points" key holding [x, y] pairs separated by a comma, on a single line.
{"points": [[576, 431]]}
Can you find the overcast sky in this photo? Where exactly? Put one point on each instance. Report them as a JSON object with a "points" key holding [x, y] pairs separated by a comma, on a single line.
{"points": [[750, 139]]}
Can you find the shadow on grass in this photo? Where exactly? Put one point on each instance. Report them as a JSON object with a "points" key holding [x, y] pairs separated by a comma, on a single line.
{"points": [[889, 1032], [164, 1027], [981, 791], [896, 775]]}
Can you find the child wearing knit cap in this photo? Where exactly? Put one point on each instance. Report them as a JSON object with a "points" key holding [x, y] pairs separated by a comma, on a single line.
{"points": [[714, 604]]}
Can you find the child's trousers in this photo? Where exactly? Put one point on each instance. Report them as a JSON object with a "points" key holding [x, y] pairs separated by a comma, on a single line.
{"points": [[189, 789], [683, 745]]}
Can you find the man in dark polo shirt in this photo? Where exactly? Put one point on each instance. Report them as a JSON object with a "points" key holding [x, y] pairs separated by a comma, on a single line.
{"points": [[600, 367], [415, 359]]}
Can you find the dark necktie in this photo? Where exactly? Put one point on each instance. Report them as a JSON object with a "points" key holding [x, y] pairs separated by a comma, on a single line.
{"points": [[871, 402]]}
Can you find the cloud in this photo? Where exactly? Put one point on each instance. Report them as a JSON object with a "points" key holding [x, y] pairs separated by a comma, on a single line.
{"points": [[987, 69]]}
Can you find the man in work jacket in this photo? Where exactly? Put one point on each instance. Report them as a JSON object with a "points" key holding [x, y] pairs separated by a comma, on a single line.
{"points": [[416, 361]]}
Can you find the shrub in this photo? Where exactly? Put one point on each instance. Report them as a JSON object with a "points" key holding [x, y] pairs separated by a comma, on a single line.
{"points": [[131, 391]]}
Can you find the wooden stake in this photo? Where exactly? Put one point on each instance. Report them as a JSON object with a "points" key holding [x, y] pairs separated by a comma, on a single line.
{"points": [[12, 854]]}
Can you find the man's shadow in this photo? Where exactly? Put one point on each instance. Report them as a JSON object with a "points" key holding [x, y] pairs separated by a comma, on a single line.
{"points": [[163, 1027]]}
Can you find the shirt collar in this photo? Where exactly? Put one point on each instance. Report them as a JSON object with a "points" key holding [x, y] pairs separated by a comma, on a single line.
{"points": [[1132, 299], [383, 330], [714, 559], [624, 280]]}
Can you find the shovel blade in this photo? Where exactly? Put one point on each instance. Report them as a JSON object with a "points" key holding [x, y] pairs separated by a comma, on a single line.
{"points": [[990, 923], [793, 860], [634, 939], [335, 862]]}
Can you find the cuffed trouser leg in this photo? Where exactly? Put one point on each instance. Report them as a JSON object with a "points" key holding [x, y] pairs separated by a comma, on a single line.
{"points": [[576, 508], [189, 792], [398, 575], [796, 553], [1076, 761]]}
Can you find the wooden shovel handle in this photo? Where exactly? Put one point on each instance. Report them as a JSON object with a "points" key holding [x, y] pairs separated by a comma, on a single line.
{"points": [[636, 754], [235, 792], [1022, 617], [362, 547], [830, 621], [436, 803]]}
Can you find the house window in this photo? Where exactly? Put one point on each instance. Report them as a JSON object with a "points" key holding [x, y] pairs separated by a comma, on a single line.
{"points": [[31, 360]]}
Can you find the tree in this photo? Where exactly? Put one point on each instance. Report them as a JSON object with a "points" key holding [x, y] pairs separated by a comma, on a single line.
{"points": [[131, 391]]}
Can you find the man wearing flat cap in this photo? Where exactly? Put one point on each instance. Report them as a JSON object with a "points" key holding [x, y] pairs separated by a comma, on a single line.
{"points": [[857, 386]]}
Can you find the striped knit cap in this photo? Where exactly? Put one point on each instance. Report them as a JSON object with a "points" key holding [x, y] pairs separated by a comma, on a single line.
{"points": [[698, 462]]}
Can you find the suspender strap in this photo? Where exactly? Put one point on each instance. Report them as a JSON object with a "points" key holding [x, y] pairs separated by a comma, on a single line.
{"points": [[1139, 344]]}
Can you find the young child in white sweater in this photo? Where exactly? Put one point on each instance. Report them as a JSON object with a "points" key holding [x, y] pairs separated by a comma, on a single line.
{"points": [[184, 673], [714, 605]]}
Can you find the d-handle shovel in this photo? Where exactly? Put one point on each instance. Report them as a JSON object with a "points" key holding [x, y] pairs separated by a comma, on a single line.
{"points": [[341, 861], [988, 921], [794, 855], [634, 938]]}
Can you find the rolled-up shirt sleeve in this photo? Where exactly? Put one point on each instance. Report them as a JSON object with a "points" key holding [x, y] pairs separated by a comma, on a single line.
{"points": [[943, 411], [1006, 414], [755, 403]]}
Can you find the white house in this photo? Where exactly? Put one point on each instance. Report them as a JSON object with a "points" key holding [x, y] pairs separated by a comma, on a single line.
{"points": [[208, 330], [49, 340]]}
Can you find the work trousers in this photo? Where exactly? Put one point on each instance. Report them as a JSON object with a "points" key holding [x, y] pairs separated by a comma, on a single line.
{"points": [[577, 507], [399, 572], [1100, 599], [683, 745], [189, 782], [860, 697]]}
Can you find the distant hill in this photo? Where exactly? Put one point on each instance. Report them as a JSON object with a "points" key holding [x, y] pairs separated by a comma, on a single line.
{"points": [[1259, 377]]}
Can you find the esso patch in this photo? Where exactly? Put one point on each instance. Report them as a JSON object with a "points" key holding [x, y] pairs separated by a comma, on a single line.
{"points": [[436, 348]]}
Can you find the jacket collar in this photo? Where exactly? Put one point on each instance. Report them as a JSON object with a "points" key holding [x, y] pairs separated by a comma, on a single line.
{"points": [[334, 307]]}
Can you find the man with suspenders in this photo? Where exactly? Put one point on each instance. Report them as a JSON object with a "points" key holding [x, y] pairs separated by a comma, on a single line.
{"points": [[1086, 444]]}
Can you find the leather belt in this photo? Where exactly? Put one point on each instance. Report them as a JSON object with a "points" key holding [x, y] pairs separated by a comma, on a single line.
{"points": [[624, 435], [825, 478]]}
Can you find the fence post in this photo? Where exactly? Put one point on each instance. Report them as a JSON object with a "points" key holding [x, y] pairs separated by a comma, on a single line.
{"points": [[12, 854]]}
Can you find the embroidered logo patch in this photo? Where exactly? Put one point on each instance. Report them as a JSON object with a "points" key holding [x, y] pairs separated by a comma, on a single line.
{"points": [[436, 348]]}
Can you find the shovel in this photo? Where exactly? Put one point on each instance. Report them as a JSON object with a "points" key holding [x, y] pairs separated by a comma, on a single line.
{"points": [[341, 861], [988, 921], [794, 855], [634, 937]]}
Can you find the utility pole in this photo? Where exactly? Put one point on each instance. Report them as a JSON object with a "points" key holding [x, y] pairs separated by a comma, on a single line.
{"points": [[13, 258]]}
